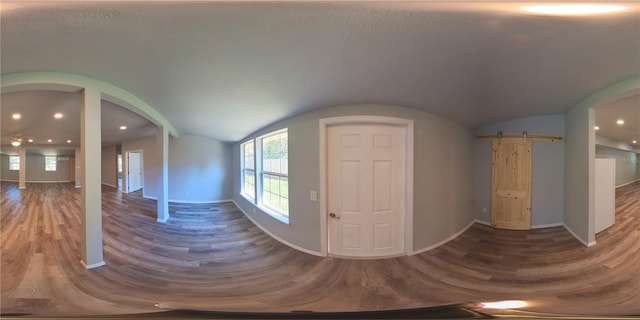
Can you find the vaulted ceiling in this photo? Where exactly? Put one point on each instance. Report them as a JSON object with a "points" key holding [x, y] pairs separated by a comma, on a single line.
{"points": [[225, 69]]}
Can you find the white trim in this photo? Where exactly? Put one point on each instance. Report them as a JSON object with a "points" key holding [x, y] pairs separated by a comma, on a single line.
{"points": [[148, 197], [62, 181], [628, 183], [200, 201], [538, 226], [588, 244], [409, 140], [109, 185], [289, 244], [549, 225], [91, 266], [433, 246], [162, 220]]}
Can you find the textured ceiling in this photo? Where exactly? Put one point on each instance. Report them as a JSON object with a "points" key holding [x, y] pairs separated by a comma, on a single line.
{"points": [[226, 69]]}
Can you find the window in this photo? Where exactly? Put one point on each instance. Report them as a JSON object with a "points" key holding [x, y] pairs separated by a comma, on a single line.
{"points": [[50, 163], [248, 170], [275, 172], [265, 173], [14, 163]]}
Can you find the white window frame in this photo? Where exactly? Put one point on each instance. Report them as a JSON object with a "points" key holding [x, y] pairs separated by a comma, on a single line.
{"points": [[259, 174], [243, 170], [274, 212], [50, 166], [14, 166]]}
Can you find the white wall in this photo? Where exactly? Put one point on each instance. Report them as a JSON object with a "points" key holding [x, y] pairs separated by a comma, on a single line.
{"points": [[547, 186], [443, 176], [626, 164], [199, 168], [35, 170]]}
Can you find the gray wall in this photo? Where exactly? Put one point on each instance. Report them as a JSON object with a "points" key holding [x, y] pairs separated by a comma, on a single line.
{"points": [[579, 206], [110, 166], [443, 176], [199, 168], [35, 170], [626, 164], [547, 186], [5, 173]]}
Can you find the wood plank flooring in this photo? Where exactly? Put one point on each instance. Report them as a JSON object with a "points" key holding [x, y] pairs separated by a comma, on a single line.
{"points": [[210, 257]]}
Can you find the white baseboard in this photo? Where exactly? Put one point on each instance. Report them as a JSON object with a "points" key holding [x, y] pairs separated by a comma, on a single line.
{"points": [[149, 197], [200, 201], [162, 220], [588, 244], [110, 185], [628, 183], [311, 252], [7, 180], [94, 265], [433, 246], [537, 226]]}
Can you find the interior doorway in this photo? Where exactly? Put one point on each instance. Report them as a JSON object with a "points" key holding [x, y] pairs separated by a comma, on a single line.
{"points": [[134, 176]]}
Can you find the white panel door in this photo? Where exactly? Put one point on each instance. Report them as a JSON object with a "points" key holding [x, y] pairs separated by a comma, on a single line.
{"points": [[134, 171], [366, 190]]}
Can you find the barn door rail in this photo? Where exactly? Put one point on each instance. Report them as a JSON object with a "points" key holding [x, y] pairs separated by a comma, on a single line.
{"points": [[523, 134]]}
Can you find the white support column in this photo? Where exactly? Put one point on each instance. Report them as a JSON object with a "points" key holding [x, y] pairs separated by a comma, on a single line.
{"points": [[162, 150], [78, 168], [22, 174], [91, 192]]}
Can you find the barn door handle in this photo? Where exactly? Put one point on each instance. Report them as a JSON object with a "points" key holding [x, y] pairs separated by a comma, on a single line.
{"points": [[333, 216]]}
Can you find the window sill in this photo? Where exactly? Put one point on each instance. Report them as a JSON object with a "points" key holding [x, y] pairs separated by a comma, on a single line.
{"points": [[265, 210], [274, 215]]}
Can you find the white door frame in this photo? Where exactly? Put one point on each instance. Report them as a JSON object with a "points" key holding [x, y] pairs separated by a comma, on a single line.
{"points": [[125, 170], [408, 198]]}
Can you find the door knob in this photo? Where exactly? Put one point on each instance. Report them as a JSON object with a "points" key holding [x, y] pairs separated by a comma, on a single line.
{"points": [[333, 216]]}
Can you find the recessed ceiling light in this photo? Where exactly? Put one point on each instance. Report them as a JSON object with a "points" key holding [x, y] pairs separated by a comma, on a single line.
{"points": [[58, 115], [68, 141], [123, 127], [620, 122], [634, 141], [596, 128], [16, 116], [31, 140], [49, 140], [573, 9]]}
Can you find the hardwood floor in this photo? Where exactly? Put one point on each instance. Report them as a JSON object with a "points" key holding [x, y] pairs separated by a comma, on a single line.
{"points": [[209, 256]]}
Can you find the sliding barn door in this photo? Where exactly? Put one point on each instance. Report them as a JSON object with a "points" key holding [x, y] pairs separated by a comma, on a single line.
{"points": [[511, 192]]}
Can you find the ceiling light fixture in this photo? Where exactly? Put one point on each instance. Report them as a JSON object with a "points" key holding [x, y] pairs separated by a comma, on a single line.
{"points": [[596, 128], [68, 141], [634, 141], [620, 122], [58, 115], [31, 140], [49, 140], [16, 116], [573, 9], [123, 127], [15, 143]]}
